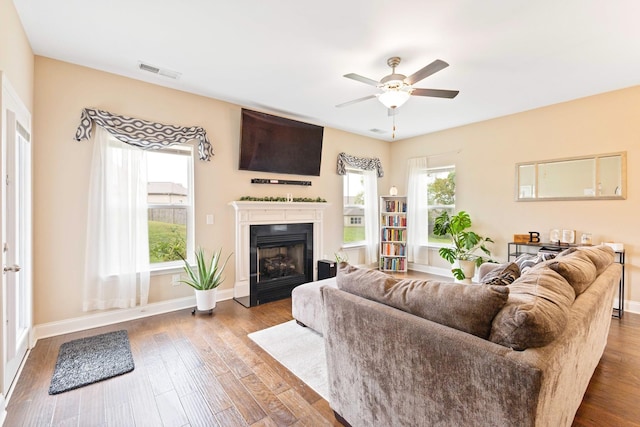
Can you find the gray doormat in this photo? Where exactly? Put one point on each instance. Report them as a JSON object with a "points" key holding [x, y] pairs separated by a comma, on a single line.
{"points": [[88, 360]]}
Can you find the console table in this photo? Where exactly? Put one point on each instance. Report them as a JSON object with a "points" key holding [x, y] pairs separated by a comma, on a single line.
{"points": [[517, 249]]}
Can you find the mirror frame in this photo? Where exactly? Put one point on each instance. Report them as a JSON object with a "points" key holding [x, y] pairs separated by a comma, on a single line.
{"points": [[596, 157]]}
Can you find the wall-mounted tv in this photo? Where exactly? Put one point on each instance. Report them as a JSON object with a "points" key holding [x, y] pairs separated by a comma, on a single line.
{"points": [[278, 145]]}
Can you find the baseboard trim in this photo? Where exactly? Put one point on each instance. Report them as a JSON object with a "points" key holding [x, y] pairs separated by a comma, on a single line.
{"points": [[431, 270], [629, 306], [3, 409], [110, 317]]}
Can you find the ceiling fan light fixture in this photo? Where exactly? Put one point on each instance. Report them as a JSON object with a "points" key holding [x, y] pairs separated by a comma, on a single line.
{"points": [[394, 98]]}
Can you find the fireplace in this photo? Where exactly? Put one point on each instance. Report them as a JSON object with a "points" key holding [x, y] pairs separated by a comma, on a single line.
{"points": [[280, 258], [278, 245]]}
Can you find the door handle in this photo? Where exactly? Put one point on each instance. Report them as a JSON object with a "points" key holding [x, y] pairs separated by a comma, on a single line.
{"points": [[14, 268]]}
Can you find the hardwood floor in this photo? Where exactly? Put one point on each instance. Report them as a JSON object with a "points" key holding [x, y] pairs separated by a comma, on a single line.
{"points": [[190, 371], [204, 371], [613, 396]]}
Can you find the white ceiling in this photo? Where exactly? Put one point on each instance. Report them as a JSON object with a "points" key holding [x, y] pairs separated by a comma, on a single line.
{"points": [[288, 57]]}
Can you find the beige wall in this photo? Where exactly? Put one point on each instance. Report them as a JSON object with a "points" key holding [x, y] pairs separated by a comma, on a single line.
{"points": [[485, 156], [61, 169], [486, 153], [16, 57]]}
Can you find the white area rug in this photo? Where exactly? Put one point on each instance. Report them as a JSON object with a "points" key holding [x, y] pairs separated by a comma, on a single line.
{"points": [[300, 350]]}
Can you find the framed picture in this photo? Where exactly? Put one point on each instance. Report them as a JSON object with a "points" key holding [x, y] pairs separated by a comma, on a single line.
{"points": [[554, 235], [568, 236]]}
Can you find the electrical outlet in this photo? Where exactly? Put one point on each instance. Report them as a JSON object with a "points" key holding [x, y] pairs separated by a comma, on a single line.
{"points": [[209, 219], [175, 280]]}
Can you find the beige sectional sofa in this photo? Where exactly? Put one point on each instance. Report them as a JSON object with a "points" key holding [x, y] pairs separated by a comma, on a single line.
{"points": [[416, 353]]}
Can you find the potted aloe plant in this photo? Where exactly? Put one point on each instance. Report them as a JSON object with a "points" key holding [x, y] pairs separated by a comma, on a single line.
{"points": [[206, 278], [462, 254]]}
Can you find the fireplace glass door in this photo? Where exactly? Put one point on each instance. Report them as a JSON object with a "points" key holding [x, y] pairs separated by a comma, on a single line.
{"points": [[281, 258]]}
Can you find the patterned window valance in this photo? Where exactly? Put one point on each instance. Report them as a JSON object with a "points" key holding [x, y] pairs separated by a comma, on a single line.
{"points": [[363, 163], [143, 133]]}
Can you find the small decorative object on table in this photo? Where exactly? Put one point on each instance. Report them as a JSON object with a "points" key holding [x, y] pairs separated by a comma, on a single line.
{"points": [[586, 239], [568, 236], [521, 238]]}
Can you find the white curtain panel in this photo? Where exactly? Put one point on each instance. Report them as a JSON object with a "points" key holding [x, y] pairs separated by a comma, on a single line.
{"points": [[117, 255], [417, 206], [371, 229]]}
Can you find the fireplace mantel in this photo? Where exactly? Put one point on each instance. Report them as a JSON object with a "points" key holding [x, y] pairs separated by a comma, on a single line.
{"points": [[248, 213]]}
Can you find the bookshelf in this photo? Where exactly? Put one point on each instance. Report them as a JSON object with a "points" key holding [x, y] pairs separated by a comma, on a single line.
{"points": [[393, 233]]}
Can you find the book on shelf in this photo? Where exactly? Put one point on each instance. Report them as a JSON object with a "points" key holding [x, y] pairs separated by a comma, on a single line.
{"points": [[393, 235], [395, 221], [395, 264], [395, 206], [393, 249]]}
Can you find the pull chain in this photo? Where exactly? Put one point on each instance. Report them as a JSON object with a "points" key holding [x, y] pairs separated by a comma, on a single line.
{"points": [[393, 133]]}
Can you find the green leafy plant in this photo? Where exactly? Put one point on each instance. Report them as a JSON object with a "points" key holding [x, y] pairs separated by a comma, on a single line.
{"points": [[208, 275], [341, 257], [464, 242]]}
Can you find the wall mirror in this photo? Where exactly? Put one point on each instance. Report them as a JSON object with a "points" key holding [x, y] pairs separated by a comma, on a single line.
{"points": [[597, 177]]}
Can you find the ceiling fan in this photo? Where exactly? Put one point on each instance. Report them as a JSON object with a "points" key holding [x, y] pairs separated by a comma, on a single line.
{"points": [[397, 88]]}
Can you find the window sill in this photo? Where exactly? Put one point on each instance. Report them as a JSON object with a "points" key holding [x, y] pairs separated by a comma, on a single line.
{"points": [[167, 269], [436, 245], [354, 245]]}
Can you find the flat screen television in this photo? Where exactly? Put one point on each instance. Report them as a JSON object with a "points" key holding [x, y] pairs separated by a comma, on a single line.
{"points": [[278, 145]]}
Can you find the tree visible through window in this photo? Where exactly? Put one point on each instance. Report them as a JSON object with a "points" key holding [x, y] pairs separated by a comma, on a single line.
{"points": [[441, 191], [170, 203], [353, 207]]}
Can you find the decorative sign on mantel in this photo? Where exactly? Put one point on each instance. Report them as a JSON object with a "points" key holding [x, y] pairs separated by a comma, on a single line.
{"points": [[282, 199]]}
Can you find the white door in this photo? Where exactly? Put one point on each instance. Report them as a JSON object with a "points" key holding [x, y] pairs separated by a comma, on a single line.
{"points": [[16, 233]]}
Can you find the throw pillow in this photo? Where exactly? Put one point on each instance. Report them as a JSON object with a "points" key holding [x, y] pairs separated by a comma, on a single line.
{"points": [[504, 275], [527, 261], [576, 268], [468, 308], [536, 312]]}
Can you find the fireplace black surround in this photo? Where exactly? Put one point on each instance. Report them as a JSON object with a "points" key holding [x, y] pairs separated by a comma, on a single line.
{"points": [[281, 258]]}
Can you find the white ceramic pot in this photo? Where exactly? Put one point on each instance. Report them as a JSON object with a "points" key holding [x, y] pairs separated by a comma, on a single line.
{"points": [[467, 267], [206, 300]]}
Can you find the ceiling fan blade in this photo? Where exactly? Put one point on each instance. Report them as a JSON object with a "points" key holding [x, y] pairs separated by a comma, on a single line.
{"points": [[359, 78], [430, 69], [437, 93], [344, 104]]}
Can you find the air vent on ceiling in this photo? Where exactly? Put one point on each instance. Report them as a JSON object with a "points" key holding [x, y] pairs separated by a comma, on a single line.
{"points": [[160, 71], [375, 130]]}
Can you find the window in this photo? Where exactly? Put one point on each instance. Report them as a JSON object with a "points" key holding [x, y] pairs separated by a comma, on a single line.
{"points": [[170, 205], [441, 196], [353, 207]]}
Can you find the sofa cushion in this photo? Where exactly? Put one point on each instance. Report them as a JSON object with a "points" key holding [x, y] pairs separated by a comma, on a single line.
{"points": [[536, 312], [601, 256], [576, 268], [505, 274], [469, 308]]}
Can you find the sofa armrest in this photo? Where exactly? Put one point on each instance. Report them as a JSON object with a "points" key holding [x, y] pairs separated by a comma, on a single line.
{"points": [[388, 367]]}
